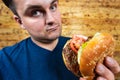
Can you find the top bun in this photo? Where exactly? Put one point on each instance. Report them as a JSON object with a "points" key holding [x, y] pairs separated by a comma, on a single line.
{"points": [[94, 51]]}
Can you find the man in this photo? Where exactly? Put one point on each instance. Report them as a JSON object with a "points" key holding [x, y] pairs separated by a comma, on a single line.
{"points": [[39, 56]]}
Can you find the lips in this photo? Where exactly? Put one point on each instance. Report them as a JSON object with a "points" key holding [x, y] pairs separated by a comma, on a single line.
{"points": [[52, 28]]}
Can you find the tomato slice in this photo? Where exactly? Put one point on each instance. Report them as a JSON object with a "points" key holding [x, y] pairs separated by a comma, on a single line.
{"points": [[76, 42], [73, 47]]}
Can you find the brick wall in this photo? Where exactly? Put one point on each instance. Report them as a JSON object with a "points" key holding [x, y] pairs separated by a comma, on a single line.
{"points": [[78, 16]]}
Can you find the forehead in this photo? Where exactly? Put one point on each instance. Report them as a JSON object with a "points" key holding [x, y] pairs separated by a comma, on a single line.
{"points": [[25, 3]]}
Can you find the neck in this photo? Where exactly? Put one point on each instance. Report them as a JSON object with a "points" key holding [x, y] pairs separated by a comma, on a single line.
{"points": [[49, 46]]}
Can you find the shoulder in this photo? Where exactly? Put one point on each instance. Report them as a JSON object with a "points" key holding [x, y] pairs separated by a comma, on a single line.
{"points": [[10, 54]]}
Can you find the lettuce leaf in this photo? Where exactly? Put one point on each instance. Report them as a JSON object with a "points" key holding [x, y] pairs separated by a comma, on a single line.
{"points": [[80, 51]]}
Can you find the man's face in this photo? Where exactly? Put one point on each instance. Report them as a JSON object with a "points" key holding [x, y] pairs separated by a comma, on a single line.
{"points": [[41, 18]]}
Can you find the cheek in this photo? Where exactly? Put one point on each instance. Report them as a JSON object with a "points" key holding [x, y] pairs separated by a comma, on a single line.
{"points": [[58, 16], [34, 25]]}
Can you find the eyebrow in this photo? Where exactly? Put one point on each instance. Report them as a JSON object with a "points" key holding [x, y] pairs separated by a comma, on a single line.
{"points": [[54, 1], [30, 6]]}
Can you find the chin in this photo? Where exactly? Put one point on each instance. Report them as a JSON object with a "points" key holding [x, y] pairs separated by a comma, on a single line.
{"points": [[55, 35]]}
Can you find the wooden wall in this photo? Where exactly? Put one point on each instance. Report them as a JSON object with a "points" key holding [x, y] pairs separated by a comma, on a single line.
{"points": [[10, 32], [78, 16]]}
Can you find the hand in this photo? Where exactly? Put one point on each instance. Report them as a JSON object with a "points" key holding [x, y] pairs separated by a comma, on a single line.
{"points": [[108, 70]]}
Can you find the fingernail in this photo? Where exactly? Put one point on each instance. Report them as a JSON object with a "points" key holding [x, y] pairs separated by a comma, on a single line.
{"points": [[100, 68], [101, 78], [110, 60]]}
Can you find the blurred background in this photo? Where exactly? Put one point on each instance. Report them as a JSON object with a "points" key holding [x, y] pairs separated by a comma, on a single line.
{"points": [[84, 17]]}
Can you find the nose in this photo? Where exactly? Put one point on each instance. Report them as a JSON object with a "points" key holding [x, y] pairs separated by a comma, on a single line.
{"points": [[50, 18]]}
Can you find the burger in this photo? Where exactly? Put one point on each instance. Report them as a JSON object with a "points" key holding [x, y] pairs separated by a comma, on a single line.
{"points": [[81, 54]]}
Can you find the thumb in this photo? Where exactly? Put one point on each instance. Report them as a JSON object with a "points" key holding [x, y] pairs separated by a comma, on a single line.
{"points": [[82, 78]]}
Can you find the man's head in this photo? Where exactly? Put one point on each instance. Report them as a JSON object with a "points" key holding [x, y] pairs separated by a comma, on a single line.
{"points": [[41, 18]]}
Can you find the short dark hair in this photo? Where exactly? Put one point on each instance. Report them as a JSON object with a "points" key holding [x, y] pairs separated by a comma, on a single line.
{"points": [[11, 5]]}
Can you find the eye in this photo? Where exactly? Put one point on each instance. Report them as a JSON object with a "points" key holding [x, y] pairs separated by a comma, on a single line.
{"points": [[36, 13], [53, 7]]}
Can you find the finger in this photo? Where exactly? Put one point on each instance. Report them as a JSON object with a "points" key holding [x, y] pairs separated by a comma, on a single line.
{"points": [[82, 78], [101, 78], [112, 64], [104, 72]]}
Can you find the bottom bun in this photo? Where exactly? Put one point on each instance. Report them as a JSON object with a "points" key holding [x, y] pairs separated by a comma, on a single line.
{"points": [[94, 51]]}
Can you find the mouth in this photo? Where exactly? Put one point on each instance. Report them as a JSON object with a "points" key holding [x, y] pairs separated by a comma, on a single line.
{"points": [[52, 28]]}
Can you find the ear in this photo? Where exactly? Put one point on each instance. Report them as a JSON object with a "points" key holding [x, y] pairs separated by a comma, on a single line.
{"points": [[19, 21]]}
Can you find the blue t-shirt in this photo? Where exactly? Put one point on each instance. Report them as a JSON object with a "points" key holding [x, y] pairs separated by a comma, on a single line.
{"points": [[27, 61]]}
